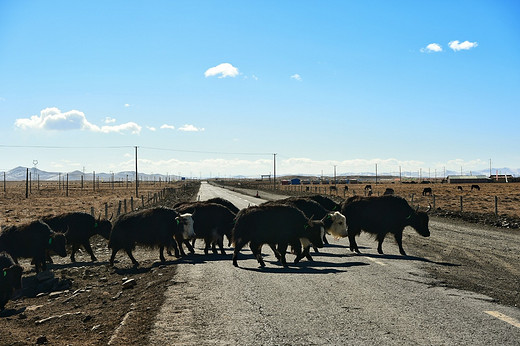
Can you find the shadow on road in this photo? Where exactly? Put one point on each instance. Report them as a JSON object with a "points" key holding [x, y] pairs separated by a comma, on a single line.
{"points": [[408, 258]]}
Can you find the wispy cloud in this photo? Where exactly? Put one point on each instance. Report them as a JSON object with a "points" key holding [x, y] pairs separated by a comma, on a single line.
{"points": [[296, 77], [55, 119], [127, 105], [466, 45], [222, 71], [169, 127], [432, 48], [151, 128], [109, 120], [190, 128]]}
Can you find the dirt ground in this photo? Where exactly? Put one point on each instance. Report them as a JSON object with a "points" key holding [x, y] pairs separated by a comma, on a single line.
{"points": [[84, 303], [88, 302]]}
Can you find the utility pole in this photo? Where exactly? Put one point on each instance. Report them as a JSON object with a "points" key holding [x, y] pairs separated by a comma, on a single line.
{"points": [[334, 175], [376, 173], [136, 177], [274, 171]]}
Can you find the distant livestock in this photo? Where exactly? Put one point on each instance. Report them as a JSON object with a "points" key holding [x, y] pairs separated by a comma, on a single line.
{"points": [[476, 187], [10, 278], [368, 187], [78, 228], [459, 188], [380, 216], [212, 222], [32, 240], [427, 191], [155, 227], [281, 225]]}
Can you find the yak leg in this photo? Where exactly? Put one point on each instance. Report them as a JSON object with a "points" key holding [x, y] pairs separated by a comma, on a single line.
{"points": [[175, 247], [399, 239], [220, 242], [282, 248], [75, 248], [114, 251], [207, 242], [352, 241], [87, 247], [256, 249], [238, 246], [325, 241], [275, 251], [190, 248], [380, 238], [161, 253], [129, 253]]}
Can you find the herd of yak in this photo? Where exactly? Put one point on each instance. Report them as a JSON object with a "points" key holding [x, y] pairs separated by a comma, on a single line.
{"points": [[299, 222]]}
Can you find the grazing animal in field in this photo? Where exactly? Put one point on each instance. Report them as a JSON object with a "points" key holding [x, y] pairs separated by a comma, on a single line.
{"points": [[427, 191], [368, 187], [333, 188], [32, 240], [380, 216], [282, 225], [154, 227], [345, 188], [212, 222], [78, 228], [476, 187], [10, 278], [389, 191], [459, 188]]}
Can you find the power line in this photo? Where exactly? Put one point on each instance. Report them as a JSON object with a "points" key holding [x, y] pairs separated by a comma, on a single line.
{"points": [[64, 147], [205, 152]]}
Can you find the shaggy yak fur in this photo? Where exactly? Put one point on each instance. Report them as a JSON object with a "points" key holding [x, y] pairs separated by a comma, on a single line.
{"points": [[380, 216]]}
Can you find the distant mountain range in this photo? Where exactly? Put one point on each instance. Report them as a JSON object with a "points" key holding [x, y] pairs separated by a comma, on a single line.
{"points": [[19, 174]]}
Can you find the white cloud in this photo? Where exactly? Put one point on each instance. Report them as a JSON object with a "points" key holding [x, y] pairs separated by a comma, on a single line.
{"points": [[109, 120], [254, 77], [466, 45], [432, 48], [127, 105], [54, 119], [296, 77], [190, 128], [222, 71], [169, 127], [151, 128]]}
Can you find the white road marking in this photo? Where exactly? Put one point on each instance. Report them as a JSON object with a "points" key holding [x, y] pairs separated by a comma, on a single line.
{"points": [[504, 318], [376, 261]]}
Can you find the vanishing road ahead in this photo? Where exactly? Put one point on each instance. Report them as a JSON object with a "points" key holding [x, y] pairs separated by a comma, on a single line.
{"points": [[338, 299]]}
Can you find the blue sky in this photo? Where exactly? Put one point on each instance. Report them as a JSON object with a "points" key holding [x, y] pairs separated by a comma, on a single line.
{"points": [[216, 87]]}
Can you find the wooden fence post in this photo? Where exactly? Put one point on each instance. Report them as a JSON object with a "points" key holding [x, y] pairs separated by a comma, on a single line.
{"points": [[433, 202], [131, 203], [92, 211], [461, 209], [124, 205], [119, 209], [496, 205], [106, 210]]}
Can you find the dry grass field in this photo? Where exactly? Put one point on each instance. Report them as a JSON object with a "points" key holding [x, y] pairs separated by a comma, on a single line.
{"points": [[445, 196], [51, 198]]}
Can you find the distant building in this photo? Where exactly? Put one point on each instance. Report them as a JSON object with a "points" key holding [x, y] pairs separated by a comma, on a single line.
{"points": [[295, 181], [502, 178], [468, 179]]}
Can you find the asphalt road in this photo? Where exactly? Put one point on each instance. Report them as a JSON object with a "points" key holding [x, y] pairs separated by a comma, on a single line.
{"points": [[338, 299]]}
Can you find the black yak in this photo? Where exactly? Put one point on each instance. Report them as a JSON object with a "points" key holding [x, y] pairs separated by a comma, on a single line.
{"points": [[10, 278], [382, 215], [281, 225], [78, 228], [150, 227], [211, 222], [32, 240]]}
